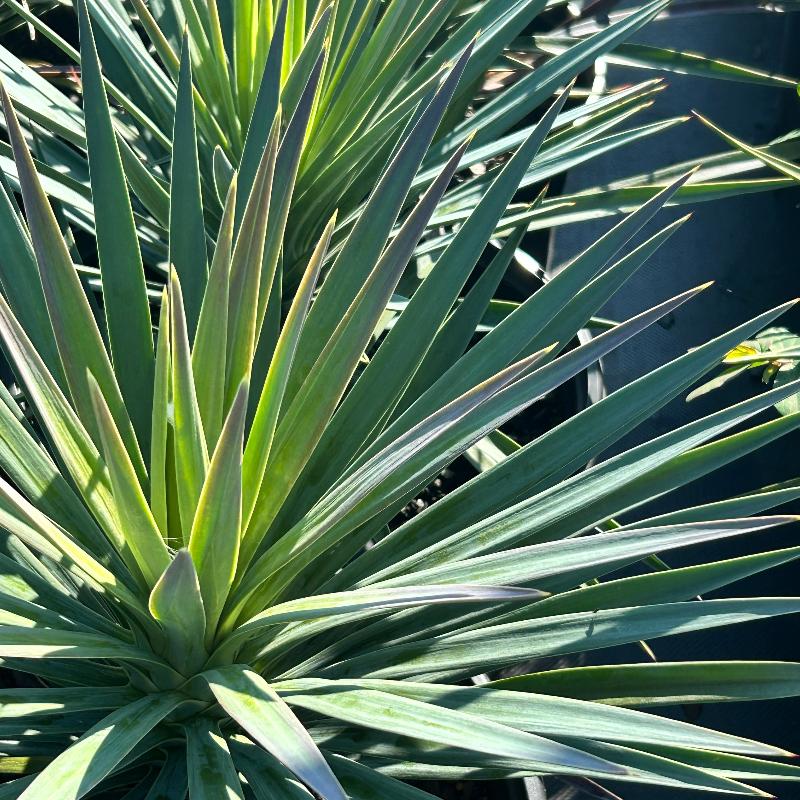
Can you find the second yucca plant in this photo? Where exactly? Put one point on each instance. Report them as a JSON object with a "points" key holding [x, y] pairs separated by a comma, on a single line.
{"points": [[203, 523]]}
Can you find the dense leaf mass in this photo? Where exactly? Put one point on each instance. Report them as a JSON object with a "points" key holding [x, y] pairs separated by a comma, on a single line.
{"points": [[207, 584]]}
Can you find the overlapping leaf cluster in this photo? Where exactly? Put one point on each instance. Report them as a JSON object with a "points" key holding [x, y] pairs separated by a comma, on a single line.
{"points": [[203, 574]]}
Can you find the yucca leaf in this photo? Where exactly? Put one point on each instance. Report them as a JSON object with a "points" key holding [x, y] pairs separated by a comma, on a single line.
{"points": [[286, 167], [577, 312], [35, 586], [72, 442], [448, 432], [600, 202], [781, 165], [135, 521], [166, 48], [209, 354], [673, 60], [352, 23], [40, 100], [354, 102], [663, 587], [371, 375], [46, 538], [603, 112], [489, 26], [191, 453], [316, 533], [37, 23], [34, 473], [747, 504], [144, 184], [162, 386], [590, 432], [307, 58], [418, 455], [224, 173], [459, 654], [729, 765], [494, 27], [661, 771], [214, 541], [209, 764], [187, 243], [665, 683], [177, 604], [255, 705], [538, 713], [454, 336], [669, 468], [77, 336], [568, 157], [32, 703], [158, 39], [265, 108], [609, 551], [172, 780], [124, 294], [372, 708], [245, 270], [265, 775], [363, 603], [158, 91], [76, 771], [245, 21], [19, 276], [363, 783], [259, 443], [354, 164], [671, 585]]}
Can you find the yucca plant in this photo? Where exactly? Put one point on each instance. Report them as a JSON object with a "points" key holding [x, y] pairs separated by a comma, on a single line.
{"points": [[373, 63], [204, 579]]}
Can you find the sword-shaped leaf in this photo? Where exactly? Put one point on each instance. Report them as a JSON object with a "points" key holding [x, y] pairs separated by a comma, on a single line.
{"points": [[177, 604], [781, 165], [160, 427], [76, 771], [255, 705], [667, 684], [259, 443], [209, 764], [124, 294], [209, 354], [540, 713], [376, 709], [187, 234], [574, 558], [79, 341], [134, 519], [191, 453], [214, 542], [460, 654], [245, 271]]}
